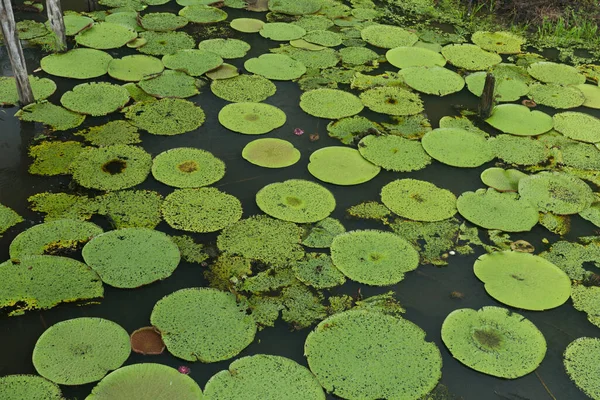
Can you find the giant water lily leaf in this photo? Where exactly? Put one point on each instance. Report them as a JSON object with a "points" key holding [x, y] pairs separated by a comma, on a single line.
{"points": [[457, 147], [499, 42], [251, 118], [187, 167], [388, 36], [520, 120], [393, 152], [203, 14], [433, 80], [53, 158], [556, 96], [592, 95], [56, 117], [520, 150], [511, 82], [271, 153], [105, 35], [8, 218], [341, 166], [243, 88], [317, 270], [162, 21], [330, 103], [578, 126], [587, 299], [550, 72], [470, 57], [32, 387], [166, 116], [392, 100], [582, 363], [96, 98], [162, 43], [172, 84], [225, 48], [134, 68], [292, 7], [276, 67], [503, 180], [418, 200], [281, 31], [75, 22], [247, 25], [192, 62], [409, 56], [42, 88]]}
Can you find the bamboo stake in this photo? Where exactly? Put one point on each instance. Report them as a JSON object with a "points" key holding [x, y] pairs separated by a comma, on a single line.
{"points": [[57, 23], [486, 103]]}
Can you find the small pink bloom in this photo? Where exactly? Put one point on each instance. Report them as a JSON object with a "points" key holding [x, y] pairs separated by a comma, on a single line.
{"points": [[184, 370], [298, 132]]}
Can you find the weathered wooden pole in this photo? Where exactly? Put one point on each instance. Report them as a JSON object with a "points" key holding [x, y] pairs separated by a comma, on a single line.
{"points": [[92, 5], [57, 23], [15, 52], [486, 103]]}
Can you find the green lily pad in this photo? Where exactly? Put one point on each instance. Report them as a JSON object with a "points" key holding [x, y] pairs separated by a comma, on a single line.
{"points": [[247, 25], [352, 356], [321, 59], [75, 23], [264, 376], [105, 35], [556, 192], [166, 116], [330, 103], [42, 282], [132, 257], [499, 42], [392, 100], [323, 38], [57, 117], [292, 7], [275, 66], [53, 158], [418, 200], [457, 147], [111, 133], [201, 210], [137, 94], [520, 120], [29, 29], [550, 72], [494, 340], [373, 257], [491, 209], [243, 88], [42, 88], [556, 96], [317, 270], [354, 55], [511, 82], [586, 299], [348, 129], [203, 324], [522, 280], [146, 380], [202, 14], [592, 95], [387, 36], [8, 218], [225, 48], [341, 166], [96, 98], [470, 57], [187, 167], [77, 63], [80, 350], [162, 21], [321, 234], [434, 80], [503, 180], [251, 118], [580, 155], [582, 363], [127, 18], [224, 71], [520, 150], [578, 126], [172, 84], [409, 56], [394, 153], [271, 153], [192, 62], [111, 167], [48, 237], [163, 43], [129, 208], [31, 387], [369, 210], [296, 200], [281, 31], [134, 68]]}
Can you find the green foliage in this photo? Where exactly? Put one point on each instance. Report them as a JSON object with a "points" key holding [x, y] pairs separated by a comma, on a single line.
{"points": [[56, 117], [96, 98], [322, 233], [78, 63], [251, 118], [8, 218], [166, 116], [111, 133], [341, 166], [582, 363], [418, 200], [32, 387], [191, 251], [186, 167]]}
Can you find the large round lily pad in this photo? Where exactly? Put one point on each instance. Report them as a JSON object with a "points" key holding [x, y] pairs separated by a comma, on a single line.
{"points": [[53, 158], [499, 42], [317, 269], [105, 35], [394, 153], [42, 88], [201, 210], [550, 72], [418, 200], [187, 167], [511, 82], [225, 48], [434, 80], [134, 68], [172, 84], [96, 98], [503, 180], [75, 22], [166, 116], [578, 126], [192, 62], [296, 200], [520, 120], [243, 88], [522, 280], [392, 100], [293, 7], [111, 167], [162, 21], [556, 96], [275, 66], [251, 118], [494, 340], [521, 150], [247, 25], [352, 356], [57, 117], [203, 324], [409, 56], [330, 103], [8, 218], [30, 387], [388, 36], [162, 43], [470, 57], [132, 257], [271, 153], [457, 147], [80, 350], [592, 95], [341, 166], [582, 363], [373, 257], [281, 31]]}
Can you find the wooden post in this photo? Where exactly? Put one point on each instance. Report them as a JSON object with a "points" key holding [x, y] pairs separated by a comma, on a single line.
{"points": [[486, 103], [55, 17], [92, 5], [15, 52]]}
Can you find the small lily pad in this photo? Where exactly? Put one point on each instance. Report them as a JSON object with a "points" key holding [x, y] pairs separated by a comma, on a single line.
{"points": [[592, 95], [243, 88], [275, 66], [292, 7], [163, 43], [323, 38], [354, 55], [457, 147], [503, 180], [271, 153], [341, 166], [96, 98], [520, 150], [203, 14], [330, 103], [394, 153], [556, 96], [320, 234], [162, 21], [251, 118], [42, 88], [8, 218], [247, 25], [520, 120], [409, 56], [166, 116], [187, 167], [392, 100], [224, 71], [418, 200], [578, 126], [53, 158], [281, 31], [111, 133]]}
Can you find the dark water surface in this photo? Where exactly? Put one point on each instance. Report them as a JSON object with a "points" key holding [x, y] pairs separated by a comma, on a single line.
{"points": [[425, 293]]}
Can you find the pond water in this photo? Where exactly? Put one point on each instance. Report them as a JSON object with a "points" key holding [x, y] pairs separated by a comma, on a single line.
{"points": [[425, 292]]}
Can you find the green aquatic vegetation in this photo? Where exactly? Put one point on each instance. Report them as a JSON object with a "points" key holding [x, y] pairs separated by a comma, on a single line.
{"points": [[369, 210], [592, 213], [187, 167], [392, 100], [264, 376], [224, 71], [520, 120], [262, 238], [511, 82], [303, 44], [385, 303], [172, 84], [227, 271], [247, 25], [267, 281], [409, 126], [95, 98], [409, 56], [522, 280], [137, 94], [556, 192], [281, 31], [325, 58], [292, 7], [587, 299], [28, 29], [265, 310], [192, 62], [53, 158], [80, 350], [578, 126], [460, 122], [243, 88], [323, 38], [556, 96], [550, 72], [163, 43], [321, 234], [225, 48], [134, 68], [56, 117], [203, 14], [127, 208], [52, 237], [105, 35], [491, 209], [519, 150], [494, 340], [582, 363], [330, 103], [42, 88], [353, 55], [251, 118], [418, 200], [317, 270], [191, 251], [166, 116], [158, 381], [373, 257], [296, 200], [558, 224], [201, 210], [592, 95], [341, 166], [276, 67], [8, 218], [132, 257], [134, 5], [111, 133], [503, 180], [32, 387], [314, 22], [363, 82], [271, 153], [342, 350], [350, 128], [111, 167], [62, 205], [457, 147], [387, 36], [470, 57], [203, 324], [128, 19], [162, 21], [580, 155], [434, 80], [571, 257], [499, 42], [42, 282], [302, 308]]}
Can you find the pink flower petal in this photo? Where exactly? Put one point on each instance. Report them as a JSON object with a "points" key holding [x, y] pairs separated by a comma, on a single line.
{"points": [[298, 132]]}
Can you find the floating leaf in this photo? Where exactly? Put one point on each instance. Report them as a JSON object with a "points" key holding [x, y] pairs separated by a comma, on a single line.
{"points": [[418, 200], [582, 363], [322, 233], [281, 31], [42, 88], [434, 80], [96, 98], [166, 116], [457, 147], [276, 67], [56, 117], [187, 167], [388, 36], [32, 387], [203, 14], [341, 166], [162, 21], [192, 62], [578, 126], [500, 42], [147, 340], [409, 56], [225, 48], [172, 84], [105, 35], [503, 180], [243, 88], [251, 118], [470, 57], [330, 103], [162, 43], [111, 133], [519, 120], [134, 68], [550, 72], [556, 96], [392, 100], [247, 25], [271, 153]]}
